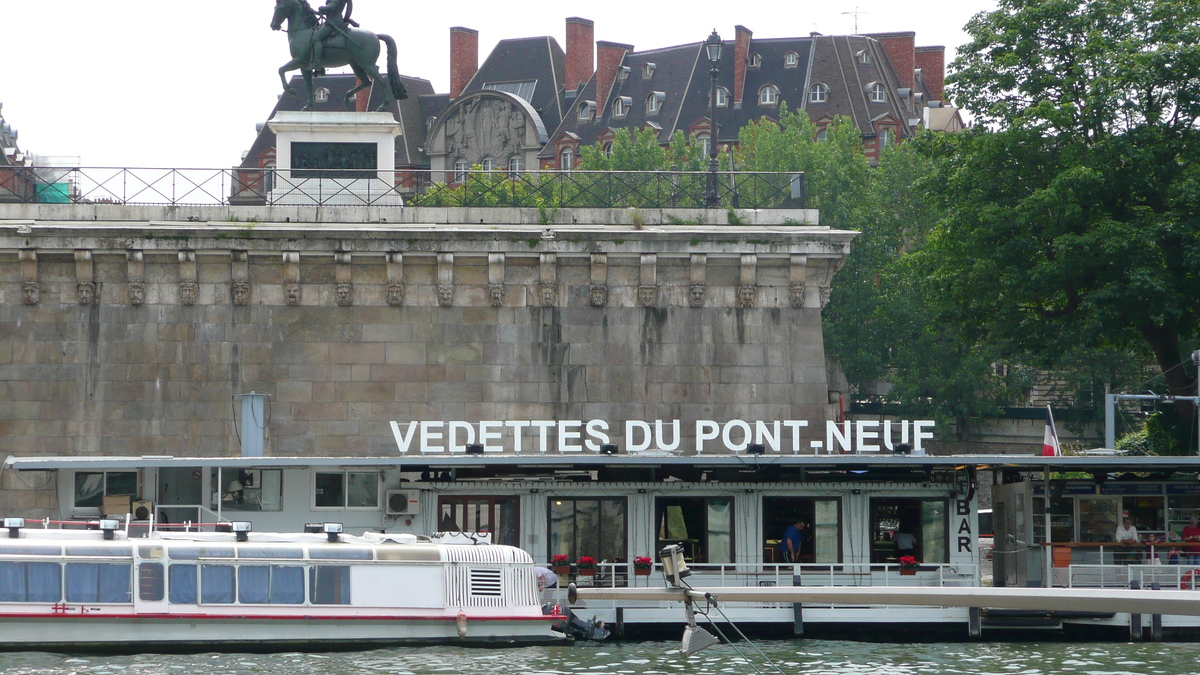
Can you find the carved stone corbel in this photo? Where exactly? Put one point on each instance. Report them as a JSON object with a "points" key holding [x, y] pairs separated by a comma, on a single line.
{"points": [[797, 291], [395, 273], [85, 280], [496, 279], [699, 277], [293, 292], [748, 281], [445, 272], [136, 274], [240, 278], [598, 289], [648, 281], [344, 291], [189, 288], [31, 290], [548, 285]]}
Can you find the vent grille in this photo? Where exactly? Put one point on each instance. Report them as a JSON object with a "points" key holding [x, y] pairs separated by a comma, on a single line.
{"points": [[486, 583]]}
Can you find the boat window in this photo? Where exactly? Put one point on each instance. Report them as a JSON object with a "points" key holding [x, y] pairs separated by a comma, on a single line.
{"points": [[346, 489], [98, 582], [820, 538], [591, 527], [31, 550], [703, 526], [150, 552], [499, 515], [339, 553], [198, 552], [252, 490], [101, 551], [30, 582], [329, 585], [151, 586], [183, 584], [91, 487], [216, 584], [272, 552], [271, 584], [923, 520]]}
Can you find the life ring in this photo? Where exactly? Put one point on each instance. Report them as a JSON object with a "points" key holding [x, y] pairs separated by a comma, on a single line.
{"points": [[1185, 582]]}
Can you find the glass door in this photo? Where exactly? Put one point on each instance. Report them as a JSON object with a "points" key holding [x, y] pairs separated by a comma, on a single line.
{"points": [[498, 515]]}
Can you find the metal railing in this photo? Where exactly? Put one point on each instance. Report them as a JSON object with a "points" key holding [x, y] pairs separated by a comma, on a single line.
{"points": [[1183, 577], [544, 190]]}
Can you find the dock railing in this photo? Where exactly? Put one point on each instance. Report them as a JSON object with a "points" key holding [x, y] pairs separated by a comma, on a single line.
{"points": [[1180, 577]]}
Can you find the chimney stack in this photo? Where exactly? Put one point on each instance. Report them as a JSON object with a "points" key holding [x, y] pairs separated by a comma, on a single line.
{"points": [[464, 58], [741, 52], [901, 51], [932, 62], [581, 47], [609, 56]]}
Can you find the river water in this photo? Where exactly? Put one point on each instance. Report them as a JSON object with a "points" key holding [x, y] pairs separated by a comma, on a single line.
{"points": [[638, 658]]}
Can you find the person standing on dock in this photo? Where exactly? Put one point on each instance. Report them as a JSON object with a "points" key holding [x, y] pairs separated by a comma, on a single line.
{"points": [[793, 536], [1127, 536], [1191, 534]]}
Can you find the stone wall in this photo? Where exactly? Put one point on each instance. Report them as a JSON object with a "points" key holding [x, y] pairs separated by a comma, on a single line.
{"points": [[131, 336]]}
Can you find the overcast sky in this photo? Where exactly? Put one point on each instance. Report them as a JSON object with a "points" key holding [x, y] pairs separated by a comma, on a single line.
{"points": [[182, 84]]}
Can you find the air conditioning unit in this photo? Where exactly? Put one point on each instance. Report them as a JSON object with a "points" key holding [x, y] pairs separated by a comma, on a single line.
{"points": [[142, 509], [403, 502]]}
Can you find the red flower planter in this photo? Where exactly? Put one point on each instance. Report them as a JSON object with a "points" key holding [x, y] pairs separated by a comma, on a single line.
{"points": [[639, 572]]}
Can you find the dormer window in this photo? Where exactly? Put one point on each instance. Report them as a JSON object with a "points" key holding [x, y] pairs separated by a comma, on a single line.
{"points": [[654, 102], [755, 60], [621, 105], [862, 56], [722, 97], [587, 109], [648, 70], [887, 138], [818, 93], [768, 95], [567, 160], [623, 73], [877, 92], [918, 98], [429, 123], [321, 95], [791, 60]]}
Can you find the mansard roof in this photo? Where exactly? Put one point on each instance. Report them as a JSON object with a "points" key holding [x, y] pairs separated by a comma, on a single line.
{"points": [[837, 63]]}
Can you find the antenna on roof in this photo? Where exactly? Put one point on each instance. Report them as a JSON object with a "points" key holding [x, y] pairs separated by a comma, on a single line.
{"points": [[855, 13]]}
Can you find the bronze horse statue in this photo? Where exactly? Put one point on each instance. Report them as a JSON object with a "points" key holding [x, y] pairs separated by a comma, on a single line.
{"points": [[356, 48]]}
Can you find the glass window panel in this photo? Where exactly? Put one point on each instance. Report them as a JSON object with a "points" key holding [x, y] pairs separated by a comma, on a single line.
{"points": [[330, 490], [933, 531], [330, 585], [720, 531], [89, 489], [43, 581], [562, 527], [336, 552], [254, 583], [362, 490], [826, 527], [101, 551], [83, 582], [612, 530], [272, 552], [271, 495], [182, 580], [121, 483], [33, 550], [216, 584], [197, 552], [587, 528], [115, 582], [12, 582], [151, 582], [287, 585]]}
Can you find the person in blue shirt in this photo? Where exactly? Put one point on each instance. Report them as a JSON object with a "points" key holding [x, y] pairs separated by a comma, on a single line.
{"points": [[792, 538]]}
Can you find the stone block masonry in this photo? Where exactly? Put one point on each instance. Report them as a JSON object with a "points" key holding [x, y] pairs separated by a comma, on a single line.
{"points": [[130, 335]]}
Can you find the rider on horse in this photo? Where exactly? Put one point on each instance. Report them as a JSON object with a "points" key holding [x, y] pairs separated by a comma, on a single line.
{"points": [[337, 22]]}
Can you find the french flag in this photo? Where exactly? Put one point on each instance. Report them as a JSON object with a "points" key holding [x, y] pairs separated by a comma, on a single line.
{"points": [[1050, 447]]}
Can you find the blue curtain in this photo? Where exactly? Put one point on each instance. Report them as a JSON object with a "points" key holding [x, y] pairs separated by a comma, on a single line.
{"points": [[114, 582], [183, 584], [287, 585], [83, 580], [44, 581], [12, 582], [330, 584], [216, 584], [253, 584]]}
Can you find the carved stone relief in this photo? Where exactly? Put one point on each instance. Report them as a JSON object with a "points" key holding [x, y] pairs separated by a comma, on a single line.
{"points": [[648, 296], [137, 293], [241, 293], [395, 295], [485, 127], [598, 295], [293, 293], [826, 291], [696, 295], [747, 294], [85, 292], [31, 292], [549, 294], [496, 295], [796, 294], [344, 294], [189, 292], [445, 295]]}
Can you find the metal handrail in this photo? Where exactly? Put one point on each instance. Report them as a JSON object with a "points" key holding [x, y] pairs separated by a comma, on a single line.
{"points": [[270, 186]]}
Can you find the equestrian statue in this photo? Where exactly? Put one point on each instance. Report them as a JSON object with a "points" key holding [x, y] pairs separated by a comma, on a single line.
{"points": [[329, 38]]}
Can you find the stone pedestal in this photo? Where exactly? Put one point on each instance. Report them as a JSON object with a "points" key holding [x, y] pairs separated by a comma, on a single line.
{"points": [[335, 158]]}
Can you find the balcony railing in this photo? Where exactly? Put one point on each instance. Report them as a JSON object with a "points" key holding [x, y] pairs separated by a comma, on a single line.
{"points": [[544, 190]]}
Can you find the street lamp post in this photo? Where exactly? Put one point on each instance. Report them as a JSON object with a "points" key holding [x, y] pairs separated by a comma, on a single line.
{"points": [[712, 197]]}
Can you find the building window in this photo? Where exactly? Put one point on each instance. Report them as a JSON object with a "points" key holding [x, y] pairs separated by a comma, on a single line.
{"points": [[862, 56], [818, 93], [321, 95], [608, 149], [346, 490], [703, 140], [887, 138], [648, 71], [460, 171], [618, 108], [654, 103], [703, 526], [499, 515], [252, 490], [821, 537], [755, 60], [877, 92], [623, 73], [791, 60], [91, 487], [567, 160], [515, 166], [722, 97], [489, 164], [768, 95], [585, 111], [591, 527], [822, 134]]}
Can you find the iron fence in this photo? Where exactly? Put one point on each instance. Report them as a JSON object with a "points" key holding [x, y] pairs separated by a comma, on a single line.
{"points": [[414, 187]]}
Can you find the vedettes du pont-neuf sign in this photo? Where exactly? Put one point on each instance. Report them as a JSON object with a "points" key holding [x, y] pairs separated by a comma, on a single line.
{"points": [[577, 436]]}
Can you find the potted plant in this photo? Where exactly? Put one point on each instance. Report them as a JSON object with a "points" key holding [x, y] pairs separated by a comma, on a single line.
{"points": [[560, 564], [908, 565], [642, 566], [586, 565]]}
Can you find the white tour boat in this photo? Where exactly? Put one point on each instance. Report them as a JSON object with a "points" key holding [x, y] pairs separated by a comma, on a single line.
{"points": [[76, 589]]}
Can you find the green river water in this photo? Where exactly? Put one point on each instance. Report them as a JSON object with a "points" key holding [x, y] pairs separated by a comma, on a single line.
{"points": [[637, 658]]}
